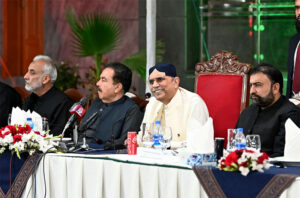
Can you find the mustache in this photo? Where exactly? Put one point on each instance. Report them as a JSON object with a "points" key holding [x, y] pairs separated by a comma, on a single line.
{"points": [[99, 89]]}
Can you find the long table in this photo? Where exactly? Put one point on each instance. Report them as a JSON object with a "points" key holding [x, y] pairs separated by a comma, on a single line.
{"points": [[114, 176]]}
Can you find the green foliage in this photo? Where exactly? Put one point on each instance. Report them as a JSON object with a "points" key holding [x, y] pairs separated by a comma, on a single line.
{"points": [[68, 76], [93, 35], [137, 62]]}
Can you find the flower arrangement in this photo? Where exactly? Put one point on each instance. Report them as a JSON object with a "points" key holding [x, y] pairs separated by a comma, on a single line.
{"points": [[20, 139], [244, 161]]}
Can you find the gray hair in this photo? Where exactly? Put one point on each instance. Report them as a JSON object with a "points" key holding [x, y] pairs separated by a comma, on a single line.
{"points": [[48, 68]]}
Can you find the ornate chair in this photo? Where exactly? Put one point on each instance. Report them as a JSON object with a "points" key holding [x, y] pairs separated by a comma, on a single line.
{"points": [[223, 84], [74, 94]]}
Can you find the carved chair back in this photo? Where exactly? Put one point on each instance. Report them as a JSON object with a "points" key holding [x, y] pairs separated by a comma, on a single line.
{"points": [[223, 84]]}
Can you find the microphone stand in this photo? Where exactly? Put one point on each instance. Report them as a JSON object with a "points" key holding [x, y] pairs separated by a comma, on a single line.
{"points": [[112, 136], [85, 125]]}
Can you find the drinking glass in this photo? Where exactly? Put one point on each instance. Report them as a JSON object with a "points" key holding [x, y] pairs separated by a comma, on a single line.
{"points": [[147, 138], [231, 140], [166, 137], [9, 119], [253, 142], [45, 124]]}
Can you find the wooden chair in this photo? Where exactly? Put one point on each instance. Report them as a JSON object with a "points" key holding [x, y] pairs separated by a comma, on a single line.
{"points": [[74, 94], [223, 84]]}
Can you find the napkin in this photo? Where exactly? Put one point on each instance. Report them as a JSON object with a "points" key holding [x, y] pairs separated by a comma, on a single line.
{"points": [[200, 138], [296, 101], [19, 117], [292, 139]]}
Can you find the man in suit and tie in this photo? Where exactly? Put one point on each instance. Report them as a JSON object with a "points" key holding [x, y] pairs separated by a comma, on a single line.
{"points": [[293, 84]]}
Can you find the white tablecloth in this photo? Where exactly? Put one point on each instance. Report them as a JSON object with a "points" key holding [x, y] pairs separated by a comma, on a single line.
{"points": [[115, 176]]}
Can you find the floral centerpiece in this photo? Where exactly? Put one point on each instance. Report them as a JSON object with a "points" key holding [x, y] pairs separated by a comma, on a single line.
{"points": [[21, 139], [244, 161]]}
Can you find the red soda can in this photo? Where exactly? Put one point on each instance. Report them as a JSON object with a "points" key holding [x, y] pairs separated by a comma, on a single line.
{"points": [[131, 139]]}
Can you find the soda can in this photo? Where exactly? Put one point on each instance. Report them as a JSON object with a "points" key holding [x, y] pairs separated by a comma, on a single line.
{"points": [[131, 139], [219, 146]]}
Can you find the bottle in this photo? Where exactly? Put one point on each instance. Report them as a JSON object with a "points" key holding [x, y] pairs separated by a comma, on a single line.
{"points": [[156, 134], [240, 140], [29, 122]]}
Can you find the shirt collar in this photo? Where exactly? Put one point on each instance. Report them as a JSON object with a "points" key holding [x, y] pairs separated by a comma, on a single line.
{"points": [[121, 100], [174, 99]]}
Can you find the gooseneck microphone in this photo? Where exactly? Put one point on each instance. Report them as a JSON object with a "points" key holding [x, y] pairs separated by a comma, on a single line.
{"points": [[111, 144], [77, 111], [88, 122]]}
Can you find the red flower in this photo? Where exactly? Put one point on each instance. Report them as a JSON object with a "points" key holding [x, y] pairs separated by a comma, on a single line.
{"points": [[231, 158], [6, 133], [28, 128], [12, 129], [37, 132], [222, 162], [261, 158], [249, 151], [244, 164], [17, 138]]}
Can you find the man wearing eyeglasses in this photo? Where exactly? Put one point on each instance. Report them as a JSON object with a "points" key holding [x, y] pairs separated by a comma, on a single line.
{"points": [[174, 106]]}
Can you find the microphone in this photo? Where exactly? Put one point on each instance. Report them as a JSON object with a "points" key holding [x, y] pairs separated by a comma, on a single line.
{"points": [[84, 125], [111, 144], [77, 110]]}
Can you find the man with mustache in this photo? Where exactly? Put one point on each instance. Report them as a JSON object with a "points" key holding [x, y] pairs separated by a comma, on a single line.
{"points": [[174, 106], [293, 83], [116, 114], [269, 111], [45, 98]]}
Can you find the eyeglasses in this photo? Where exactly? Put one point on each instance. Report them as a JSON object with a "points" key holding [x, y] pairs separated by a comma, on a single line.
{"points": [[158, 80]]}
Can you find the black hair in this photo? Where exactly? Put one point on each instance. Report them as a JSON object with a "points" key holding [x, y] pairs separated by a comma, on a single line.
{"points": [[122, 74], [272, 72]]}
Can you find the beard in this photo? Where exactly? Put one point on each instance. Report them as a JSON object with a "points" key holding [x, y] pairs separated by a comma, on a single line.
{"points": [[263, 101], [34, 87], [297, 24]]}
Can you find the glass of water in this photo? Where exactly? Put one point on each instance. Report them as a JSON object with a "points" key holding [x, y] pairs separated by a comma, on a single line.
{"points": [[166, 137], [45, 125], [253, 142], [147, 138], [231, 140], [9, 119]]}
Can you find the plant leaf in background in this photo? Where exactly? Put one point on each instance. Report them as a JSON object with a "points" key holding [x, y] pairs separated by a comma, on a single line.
{"points": [[68, 76], [137, 61], [93, 35]]}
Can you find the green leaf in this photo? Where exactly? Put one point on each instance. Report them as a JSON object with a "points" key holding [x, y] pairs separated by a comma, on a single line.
{"points": [[93, 34], [137, 61]]}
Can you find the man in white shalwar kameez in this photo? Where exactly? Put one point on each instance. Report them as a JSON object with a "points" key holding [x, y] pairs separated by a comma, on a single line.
{"points": [[175, 107]]}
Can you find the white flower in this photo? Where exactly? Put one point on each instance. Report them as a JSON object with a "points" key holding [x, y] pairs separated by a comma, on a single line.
{"points": [[8, 139], [30, 141], [266, 164], [242, 159], [25, 138], [244, 170]]}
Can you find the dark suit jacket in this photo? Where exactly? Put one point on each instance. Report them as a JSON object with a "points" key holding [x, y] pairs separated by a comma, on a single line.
{"points": [[53, 105], [292, 48], [269, 124], [9, 98]]}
